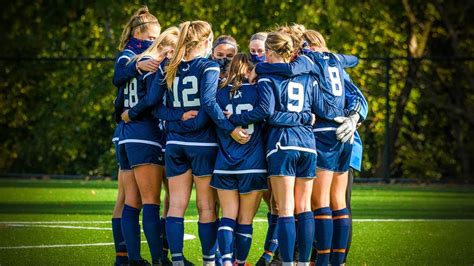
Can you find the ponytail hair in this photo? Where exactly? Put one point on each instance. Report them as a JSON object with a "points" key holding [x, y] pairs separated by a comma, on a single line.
{"points": [[315, 38], [239, 65], [280, 43], [169, 37], [191, 34], [140, 21]]}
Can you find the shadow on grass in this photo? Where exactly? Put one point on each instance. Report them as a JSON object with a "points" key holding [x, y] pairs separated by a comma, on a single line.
{"points": [[38, 183]]}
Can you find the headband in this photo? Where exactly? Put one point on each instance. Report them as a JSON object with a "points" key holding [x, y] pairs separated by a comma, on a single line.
{"points": [[223, 41]]}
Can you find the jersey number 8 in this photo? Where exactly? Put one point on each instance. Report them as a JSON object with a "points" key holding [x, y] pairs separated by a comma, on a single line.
{"points": [[238, 110], [131, 94], [192, 90], [336, 83]]}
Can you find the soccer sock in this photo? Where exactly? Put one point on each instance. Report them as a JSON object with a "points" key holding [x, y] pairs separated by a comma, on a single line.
{"points": [[323, 235], [165, 240], [121, 256], [340, 235], [243, 241], [271, 240], [286, 238], [305, 235], [208, 236], [175, 232], [131, 231], [152, 229], [225, 237]]}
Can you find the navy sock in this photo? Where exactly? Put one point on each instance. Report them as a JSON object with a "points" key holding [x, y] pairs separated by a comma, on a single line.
{"points": [[121, 256], [152, 229], [243, 241], [131, 231], [271, 240], [286, 237], [323, 234], [305, 235], [225, 237], [340, 235], [163, 237], [175, 232], [208, 236]]}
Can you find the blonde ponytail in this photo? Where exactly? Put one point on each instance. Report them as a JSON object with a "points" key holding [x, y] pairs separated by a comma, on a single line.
{"points": [[141, 20]]}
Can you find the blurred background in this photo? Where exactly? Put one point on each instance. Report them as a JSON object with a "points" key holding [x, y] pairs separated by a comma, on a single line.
{"points": [[416, 71]]}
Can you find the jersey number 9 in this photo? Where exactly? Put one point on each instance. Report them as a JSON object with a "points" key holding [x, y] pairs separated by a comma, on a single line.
{"points": [[295, 93]]}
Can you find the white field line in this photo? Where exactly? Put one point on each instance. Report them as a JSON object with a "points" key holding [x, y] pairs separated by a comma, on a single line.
{"points": [[256, 221], [186, 237]]}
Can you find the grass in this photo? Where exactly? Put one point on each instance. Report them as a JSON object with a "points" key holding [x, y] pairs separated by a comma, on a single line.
{"points": [[445, 235]]}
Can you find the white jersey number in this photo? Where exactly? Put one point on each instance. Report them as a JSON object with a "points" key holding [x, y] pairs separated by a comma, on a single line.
{"points": [[238, 110], [192, 90], [336, 83], [295, 93], [131, 94]]}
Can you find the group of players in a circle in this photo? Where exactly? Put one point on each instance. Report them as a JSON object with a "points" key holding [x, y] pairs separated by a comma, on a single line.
{"points": [[239, 127]]}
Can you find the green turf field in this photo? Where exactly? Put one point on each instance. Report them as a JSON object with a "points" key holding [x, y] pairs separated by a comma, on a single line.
{"points": [[68, 223]]}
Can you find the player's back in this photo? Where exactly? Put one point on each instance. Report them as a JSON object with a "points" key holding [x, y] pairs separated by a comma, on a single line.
{"points": [[291, 95], [242, 100], [331, 83], [186, 94]]}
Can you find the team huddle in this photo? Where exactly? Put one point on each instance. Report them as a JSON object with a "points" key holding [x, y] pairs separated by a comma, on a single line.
{"points": [[277, 123]]}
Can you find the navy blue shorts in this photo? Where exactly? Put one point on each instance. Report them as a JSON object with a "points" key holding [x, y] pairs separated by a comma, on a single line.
{"points": [[333, 155], [242, 180], [180, 158], [137, 152], [301, 164]]}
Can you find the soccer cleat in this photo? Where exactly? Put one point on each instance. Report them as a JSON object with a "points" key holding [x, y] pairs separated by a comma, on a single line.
{"points": [[166, 262], [141, 262]]}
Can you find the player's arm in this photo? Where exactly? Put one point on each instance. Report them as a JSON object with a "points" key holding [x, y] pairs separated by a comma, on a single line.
{"points": [[193, 124], [208, 84], [348, 60], [355, 100], [264, 109], [301, 65], [123, 70], [290, 119]]}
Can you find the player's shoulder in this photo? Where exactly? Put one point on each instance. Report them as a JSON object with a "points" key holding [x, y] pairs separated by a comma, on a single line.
{"points": [[125, 54], [208, 65]]}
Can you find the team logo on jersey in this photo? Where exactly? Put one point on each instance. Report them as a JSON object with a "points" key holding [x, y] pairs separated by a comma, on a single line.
{"points": [[237, 94]]}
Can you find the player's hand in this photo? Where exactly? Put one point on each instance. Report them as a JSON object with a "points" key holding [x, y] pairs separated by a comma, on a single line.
{"points": [[189, 115], [240, 135], [252, 77], [227, 114], [125, 117], [313, 119], [150, 65], [348, 126]]}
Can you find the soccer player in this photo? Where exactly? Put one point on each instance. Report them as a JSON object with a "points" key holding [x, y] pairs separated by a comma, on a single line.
{"points": [[136, 37], [190, 82], [224, 49], [240, 173], [257, 47], [333, 155], [141, 152], [291, 148]]}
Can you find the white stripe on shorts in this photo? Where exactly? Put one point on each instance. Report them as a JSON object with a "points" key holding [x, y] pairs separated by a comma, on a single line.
{"points": [[324, 129], [249, 171], [185, 143], [142, 141]]}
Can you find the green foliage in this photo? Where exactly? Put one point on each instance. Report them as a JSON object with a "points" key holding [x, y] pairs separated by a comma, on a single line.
{"points": [[56, 115]]}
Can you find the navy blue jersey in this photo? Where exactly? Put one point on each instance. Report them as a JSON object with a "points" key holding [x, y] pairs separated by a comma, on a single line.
{"points": [[295, 94], [194, 87], [233, 155], [328, 68], [122, 74]]}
